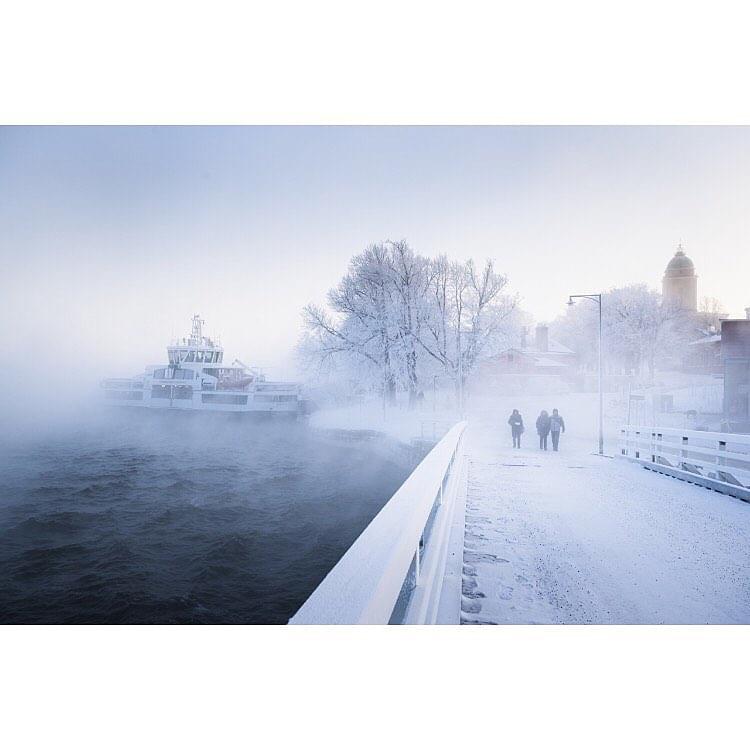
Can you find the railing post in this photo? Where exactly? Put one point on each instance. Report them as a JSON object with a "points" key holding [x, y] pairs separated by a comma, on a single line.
{"points": [[721, 461], [683, 452]]}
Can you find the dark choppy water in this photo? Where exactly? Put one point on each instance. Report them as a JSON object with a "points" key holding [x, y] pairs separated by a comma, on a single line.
{"points": [[152, 518]]}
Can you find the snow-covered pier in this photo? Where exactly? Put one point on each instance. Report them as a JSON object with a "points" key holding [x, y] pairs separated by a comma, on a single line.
{"points": [[573, 537], [530, 536]]}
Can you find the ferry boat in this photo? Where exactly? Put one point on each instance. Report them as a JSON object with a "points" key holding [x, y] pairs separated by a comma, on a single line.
{"points": [[197, 377]]}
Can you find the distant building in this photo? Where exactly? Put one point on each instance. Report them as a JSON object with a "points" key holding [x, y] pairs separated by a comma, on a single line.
{"points": [[542, 357], [680, 283], [704, 353], [735, 354]]}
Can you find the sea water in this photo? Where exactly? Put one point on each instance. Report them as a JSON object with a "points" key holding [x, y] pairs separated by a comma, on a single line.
{"points": [[175, 518]]}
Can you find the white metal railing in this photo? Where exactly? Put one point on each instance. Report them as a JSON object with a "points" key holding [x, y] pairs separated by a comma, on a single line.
{"points": [[394, 570], [719, 460]]}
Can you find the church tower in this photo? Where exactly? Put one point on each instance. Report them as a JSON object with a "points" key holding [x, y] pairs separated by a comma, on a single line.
{"points": [[680, 284]]}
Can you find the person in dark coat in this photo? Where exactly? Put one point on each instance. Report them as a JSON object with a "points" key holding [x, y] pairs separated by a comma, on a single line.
{"points": [[542, 427], [516, 427], [556, 425]]}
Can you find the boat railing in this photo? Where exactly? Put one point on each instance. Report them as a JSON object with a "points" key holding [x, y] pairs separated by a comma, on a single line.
{"points": [[718, 460], [395, 570]]}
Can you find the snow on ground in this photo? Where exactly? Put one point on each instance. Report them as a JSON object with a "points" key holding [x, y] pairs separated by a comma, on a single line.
{"points": [[398, 421], [572, 537]]}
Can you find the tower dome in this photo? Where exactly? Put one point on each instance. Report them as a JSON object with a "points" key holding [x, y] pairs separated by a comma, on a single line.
{"points": [[680, 265], [680, 284]]}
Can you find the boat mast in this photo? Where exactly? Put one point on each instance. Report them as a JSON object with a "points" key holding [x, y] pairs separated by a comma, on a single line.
{"points": [[197, 334]]}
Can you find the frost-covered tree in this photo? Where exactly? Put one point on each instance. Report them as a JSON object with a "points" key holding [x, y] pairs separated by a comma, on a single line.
{"points": [[402, 317], [406, 289], [466, 313], [361, 329], [638, 325], [639, 329], [710, 313], [578, 330]]}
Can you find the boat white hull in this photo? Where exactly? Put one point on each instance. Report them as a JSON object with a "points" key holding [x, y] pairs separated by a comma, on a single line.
{"points": [[229, 403]]}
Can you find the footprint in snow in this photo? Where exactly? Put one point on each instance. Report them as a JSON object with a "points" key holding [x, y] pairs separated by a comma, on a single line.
{"points": [[470, 621], [474, 556], [505, 592], [469, 589], [471, 606]]}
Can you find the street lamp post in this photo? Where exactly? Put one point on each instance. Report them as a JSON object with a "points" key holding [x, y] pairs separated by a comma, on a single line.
{"points": [[598, 299]]}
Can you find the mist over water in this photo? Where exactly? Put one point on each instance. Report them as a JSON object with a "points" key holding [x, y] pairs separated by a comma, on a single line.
{"points": [[181, 518]]}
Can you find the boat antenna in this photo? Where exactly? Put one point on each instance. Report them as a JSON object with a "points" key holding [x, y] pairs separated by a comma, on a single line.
{"points": [[197, 329]]}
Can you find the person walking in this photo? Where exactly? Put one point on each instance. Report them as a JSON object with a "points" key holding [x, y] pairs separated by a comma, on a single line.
{"points": [[556, 425], [542, 428], [516, 427]]}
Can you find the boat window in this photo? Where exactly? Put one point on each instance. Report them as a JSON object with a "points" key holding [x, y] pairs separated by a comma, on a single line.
{"points": [[209, 357], [220, 356], [224, 398], [159, 373], [190, 357]]}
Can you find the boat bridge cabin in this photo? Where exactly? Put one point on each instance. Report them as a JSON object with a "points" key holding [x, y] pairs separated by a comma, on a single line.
{"points": [[196, 347]]}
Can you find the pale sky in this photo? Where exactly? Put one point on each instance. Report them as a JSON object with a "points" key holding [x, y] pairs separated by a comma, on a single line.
{"points": [[113, 237]]}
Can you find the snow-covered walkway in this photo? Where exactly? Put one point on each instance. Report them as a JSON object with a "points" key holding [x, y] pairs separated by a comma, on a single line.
{"points": [[571, 537]]}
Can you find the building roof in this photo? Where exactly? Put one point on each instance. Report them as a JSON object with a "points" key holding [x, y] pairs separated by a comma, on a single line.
{"points": [[554, 347], [680, 265], [712, 339], [541, 359], [546, 362]]}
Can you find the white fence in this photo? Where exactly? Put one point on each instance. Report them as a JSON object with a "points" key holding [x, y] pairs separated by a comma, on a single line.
{"points": [[718, 460], [394, 572]]}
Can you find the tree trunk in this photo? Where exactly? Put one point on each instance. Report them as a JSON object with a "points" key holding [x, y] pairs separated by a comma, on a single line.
{"points": [[390, 390], [412, 380], [390, 380]]}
